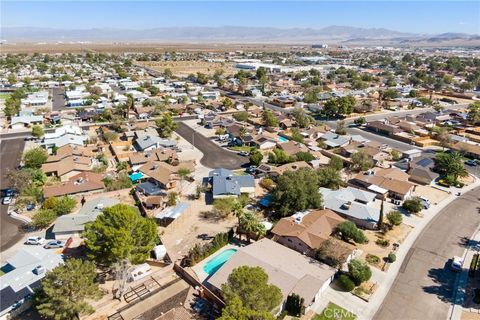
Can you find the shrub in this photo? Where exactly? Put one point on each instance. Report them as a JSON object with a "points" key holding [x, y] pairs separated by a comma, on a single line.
{"points": [[372, 259], [413, 205], [395, 218], [60, 205], [359, 271], [349, 231], [382, 242], [267, 183], [391, 257], [43, 218], [346, 283]]}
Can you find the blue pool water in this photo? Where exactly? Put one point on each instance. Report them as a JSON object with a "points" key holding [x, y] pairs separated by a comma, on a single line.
{"points": [[282, 139], [216, 263]]}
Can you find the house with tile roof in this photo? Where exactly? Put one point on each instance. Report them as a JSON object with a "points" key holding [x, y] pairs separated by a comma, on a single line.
{"points": [[306, 231], [81, 183]]}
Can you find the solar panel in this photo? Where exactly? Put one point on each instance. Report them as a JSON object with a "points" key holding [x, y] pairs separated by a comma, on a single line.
{"points": [[424, 162]]}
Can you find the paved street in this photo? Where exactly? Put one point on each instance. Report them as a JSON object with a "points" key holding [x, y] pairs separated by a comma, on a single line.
{"points": [[10, 153], [213, 155], [58, 99], [424, 286]]}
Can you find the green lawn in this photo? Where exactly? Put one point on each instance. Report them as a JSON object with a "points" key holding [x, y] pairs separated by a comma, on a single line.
{"points": [[334, 312], [4, 95], [241, 148]]}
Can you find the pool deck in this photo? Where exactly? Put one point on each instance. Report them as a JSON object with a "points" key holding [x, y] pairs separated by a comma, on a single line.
{"points": [[198, 268]]}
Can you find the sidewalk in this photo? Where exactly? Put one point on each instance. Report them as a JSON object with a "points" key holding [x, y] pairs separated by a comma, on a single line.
{"points": [[455, 311], [366, 310]]}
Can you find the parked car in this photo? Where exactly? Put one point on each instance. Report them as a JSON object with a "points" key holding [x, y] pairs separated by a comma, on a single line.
{"points": [[471, 163], [54, 244], [8, 192], [7, 200], [457, 263], [244, 153], [35, 241], [30, 207], [425, 202], [251, 169]]}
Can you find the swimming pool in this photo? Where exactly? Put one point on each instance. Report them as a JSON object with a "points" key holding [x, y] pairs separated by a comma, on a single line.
{"points": [[216, 263], [282, 139]]}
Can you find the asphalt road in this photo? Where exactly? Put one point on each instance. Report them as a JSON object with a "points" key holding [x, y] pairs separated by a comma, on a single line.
{"points": [[10, 154], [424, 286], [58, 98], [214, 156]]}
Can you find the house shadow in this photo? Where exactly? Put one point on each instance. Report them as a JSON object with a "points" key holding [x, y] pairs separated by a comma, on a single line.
{"points": [[443, 279], [49, 235]]}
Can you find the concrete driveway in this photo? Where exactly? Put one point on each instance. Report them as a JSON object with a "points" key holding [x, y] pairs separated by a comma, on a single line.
{"points": [[214, 156], [58, 99], [424, 286]]}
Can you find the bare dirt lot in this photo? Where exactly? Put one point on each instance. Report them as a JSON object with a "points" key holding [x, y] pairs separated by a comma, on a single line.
{"points": [[120, 47], [184, 68]]}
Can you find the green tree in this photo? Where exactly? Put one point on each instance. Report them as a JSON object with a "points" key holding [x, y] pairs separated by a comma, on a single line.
{"points": [[329, 177], [65, 289], [341, 128], [395, 155], [346, 283], [347, 231], [451, 165], [296, 191], [413, 205], [37, 131], [336, 163], [168, 73], [278, 156], [359, 271], [120, 233], [256, 157], [235, 310], [224, 206], [360, 121], [361, 161], [395, 218], [269, 119], [474, 112], [172, 199], [166, 125], [249, 224], [250, 285], [60, 205], [227, 103], [241, 116], [302, 119], [304, 156], [34, 158], [43, 218]]}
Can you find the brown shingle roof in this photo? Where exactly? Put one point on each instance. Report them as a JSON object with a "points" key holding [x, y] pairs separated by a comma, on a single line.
{"points": [[82, 182], [314, 228]]}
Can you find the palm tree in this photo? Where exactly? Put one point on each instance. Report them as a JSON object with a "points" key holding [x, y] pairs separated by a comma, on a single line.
{"points": [[249, 224]]}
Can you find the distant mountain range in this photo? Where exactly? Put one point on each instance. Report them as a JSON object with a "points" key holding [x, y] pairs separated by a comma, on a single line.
{"points": [[331, 34]]}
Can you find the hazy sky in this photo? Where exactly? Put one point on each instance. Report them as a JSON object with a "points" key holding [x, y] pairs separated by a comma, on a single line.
{"points": [[408, 16]]}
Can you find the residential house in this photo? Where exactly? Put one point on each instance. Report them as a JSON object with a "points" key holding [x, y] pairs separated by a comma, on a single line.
{"points": [[383, 128], [306, 231], [24, 272], [66, 135], [468, 149], [371, 148], [80, 183], [292, 166], [147, 143], [72, 225], [19, 122], [170, 214], [390, 182], [291, 271], [291, 148], [353, 204], [226, 184], [420, 170], [162, 173], [334, 140]]}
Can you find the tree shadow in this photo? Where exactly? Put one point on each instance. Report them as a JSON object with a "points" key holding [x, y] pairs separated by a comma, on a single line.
{"points": [[466, 242], [444, 280]]}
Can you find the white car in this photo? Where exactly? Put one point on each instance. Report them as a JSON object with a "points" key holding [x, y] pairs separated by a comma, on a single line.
{"points": [[35, 241], [457, 263], [7, 200]]}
